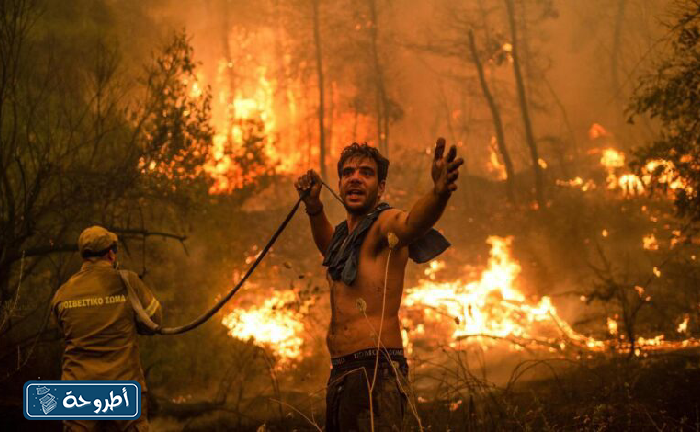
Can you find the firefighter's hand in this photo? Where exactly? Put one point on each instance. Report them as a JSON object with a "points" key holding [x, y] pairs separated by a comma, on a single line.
{"points": [[445, 170], [310, 182]]}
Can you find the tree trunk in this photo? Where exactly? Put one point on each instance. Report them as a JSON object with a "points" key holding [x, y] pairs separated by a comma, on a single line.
{"points": [[283, 73], [569, 129], [614, 65], [331, 114], [383, 118], [225, 31], [522, 99], [319, 73], [496, 117]]}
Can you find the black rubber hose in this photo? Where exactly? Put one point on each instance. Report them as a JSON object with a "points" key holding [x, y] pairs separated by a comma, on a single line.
{"points": [[204, 317]]}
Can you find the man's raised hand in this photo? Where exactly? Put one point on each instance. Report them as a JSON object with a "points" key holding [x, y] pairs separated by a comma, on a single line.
{"points": [[311, 182], [445, 170]]}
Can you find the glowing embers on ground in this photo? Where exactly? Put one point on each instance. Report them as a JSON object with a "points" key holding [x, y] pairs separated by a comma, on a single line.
{"points": [[613, 161], [577, 182], [655, 173], [271, 324], [649, 242], [660, 171], [489, 308], [642, 344]]}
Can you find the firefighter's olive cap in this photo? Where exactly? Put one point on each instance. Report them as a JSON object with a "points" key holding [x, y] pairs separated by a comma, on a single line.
{"points": [[95, 239]]}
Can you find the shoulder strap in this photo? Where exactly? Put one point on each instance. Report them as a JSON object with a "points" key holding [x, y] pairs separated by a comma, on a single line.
{"points": [[143, 321]]}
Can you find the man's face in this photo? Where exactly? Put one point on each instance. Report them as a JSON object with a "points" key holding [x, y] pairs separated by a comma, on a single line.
{"points": [[359, 185]]}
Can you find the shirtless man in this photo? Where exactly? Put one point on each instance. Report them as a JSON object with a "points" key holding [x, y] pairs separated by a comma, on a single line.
{"points": [[356, 254]]}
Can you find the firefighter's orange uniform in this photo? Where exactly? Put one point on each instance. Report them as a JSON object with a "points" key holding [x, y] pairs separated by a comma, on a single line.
{"points": [[93, 312]]}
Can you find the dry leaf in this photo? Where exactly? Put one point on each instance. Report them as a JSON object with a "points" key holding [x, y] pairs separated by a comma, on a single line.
{"points": [[361, 305]]}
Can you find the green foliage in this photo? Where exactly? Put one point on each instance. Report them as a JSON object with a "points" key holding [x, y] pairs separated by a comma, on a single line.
{"points": [[78, 132], [250, 156], [672, 96], [176, 135]]}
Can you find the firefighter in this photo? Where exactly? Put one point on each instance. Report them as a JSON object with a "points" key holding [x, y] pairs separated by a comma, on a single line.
{"points": [[95, 316]]}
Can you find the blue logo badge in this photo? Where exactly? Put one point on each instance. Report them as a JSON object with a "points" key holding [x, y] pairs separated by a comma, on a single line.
{"points": [[70, 400]]}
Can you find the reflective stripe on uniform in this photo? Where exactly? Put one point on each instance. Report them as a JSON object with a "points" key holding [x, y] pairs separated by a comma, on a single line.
{"points": [[152, 307]]}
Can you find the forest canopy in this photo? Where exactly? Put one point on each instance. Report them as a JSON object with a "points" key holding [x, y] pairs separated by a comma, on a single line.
{"points": [[671, 95]]}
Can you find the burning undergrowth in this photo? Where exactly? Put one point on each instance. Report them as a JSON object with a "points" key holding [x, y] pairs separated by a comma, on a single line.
{"points": [[515, 293], [519, 283], [581, 283], [487, 307], [493, 303]]}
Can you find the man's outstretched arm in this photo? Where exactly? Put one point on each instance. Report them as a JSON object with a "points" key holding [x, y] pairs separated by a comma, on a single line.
{"points": [[428, 209], [321, 228]]}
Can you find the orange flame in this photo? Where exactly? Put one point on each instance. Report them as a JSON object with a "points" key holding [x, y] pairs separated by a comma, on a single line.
{"points": [[612, 158], [495, 165], [596, 131], [257, 96], [482, 310], [492, 306], [271, 324], [577, 182], [662, 171], [649, 242]]}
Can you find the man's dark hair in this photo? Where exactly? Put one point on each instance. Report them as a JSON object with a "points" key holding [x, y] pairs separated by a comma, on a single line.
{"points": [[364, 150]]}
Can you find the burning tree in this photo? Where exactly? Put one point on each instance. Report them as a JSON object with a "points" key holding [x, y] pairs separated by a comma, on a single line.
{"points": [[173, 120], [496, 38], [83, 143], [671, 96]]}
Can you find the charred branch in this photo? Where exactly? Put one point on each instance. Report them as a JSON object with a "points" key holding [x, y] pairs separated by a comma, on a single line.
{"points": [[316, 6], [524, 109], [383, 103], [496, 117]]}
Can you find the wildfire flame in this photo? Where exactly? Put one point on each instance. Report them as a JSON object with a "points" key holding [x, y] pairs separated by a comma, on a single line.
{"points": [[612, 158], [596, 131], [260, 96], [246, 115], [661, 171], [272, 324], [612, 326], [649, 242], [495, 166], [489, 308], [665, 174], [683, 327], [577, 182]]}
